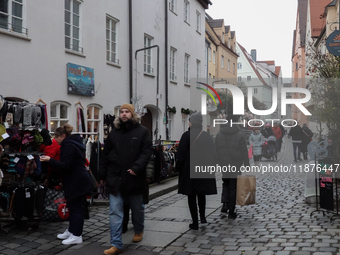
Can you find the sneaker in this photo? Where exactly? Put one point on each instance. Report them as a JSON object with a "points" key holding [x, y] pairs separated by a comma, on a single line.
{"points": [[137, 237], [73, 240], [112, 251], [64, 235]]}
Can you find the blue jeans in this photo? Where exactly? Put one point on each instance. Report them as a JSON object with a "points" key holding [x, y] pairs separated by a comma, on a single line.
{"points": [[116, 214], [296, 146]]}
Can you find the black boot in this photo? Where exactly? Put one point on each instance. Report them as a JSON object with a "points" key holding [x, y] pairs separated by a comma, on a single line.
{"points": [[232, 215], [203, 219], [225, 208], [194, 226]]}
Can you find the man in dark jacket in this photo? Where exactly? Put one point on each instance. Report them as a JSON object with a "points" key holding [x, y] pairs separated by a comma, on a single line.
{"points": [[231, 149], [126, 153]]}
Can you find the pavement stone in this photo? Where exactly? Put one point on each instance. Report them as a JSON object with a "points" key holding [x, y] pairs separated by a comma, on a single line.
{"points": [[279, 223]]}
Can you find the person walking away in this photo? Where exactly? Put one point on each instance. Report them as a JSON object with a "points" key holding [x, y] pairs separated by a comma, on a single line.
{"points": [[127, 151], [231, 149], [196, 148], [283, 130], [278, 135], [306, 139], [256, 138], [297, 135], [76, 180], [267, 131]]}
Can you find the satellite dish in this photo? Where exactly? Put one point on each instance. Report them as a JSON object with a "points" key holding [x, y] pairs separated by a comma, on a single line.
{"points": [[211, 107]]}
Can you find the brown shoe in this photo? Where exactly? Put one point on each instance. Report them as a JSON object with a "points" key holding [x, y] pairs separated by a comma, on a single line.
{"points": [[112, 251], [138, 237]]}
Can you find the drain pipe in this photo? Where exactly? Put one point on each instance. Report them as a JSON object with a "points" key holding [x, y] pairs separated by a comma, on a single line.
{"points": [[166, 71], [130, 53]]}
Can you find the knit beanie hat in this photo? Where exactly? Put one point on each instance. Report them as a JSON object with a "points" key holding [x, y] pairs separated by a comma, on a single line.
{"points": [[196, 119], [130, 107]]}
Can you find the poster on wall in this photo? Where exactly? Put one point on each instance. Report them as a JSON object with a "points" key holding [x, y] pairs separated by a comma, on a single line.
{"points": [[80, 80]]}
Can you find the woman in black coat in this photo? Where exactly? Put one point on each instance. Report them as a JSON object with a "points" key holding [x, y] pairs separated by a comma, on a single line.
{"points": [[75, 179], [196, 150]]}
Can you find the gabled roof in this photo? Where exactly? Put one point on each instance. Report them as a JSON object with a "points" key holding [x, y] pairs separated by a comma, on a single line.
{"points": [[333, 3], [226, 29], [215, 23], [293, 48], [252, 64], [269, 62], [232, 34], [302, 12], [316, 9]]}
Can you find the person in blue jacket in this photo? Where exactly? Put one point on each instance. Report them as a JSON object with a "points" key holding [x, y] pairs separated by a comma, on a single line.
{"points": [[76, 180]]}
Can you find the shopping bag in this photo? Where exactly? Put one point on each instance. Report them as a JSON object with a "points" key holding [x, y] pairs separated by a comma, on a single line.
{"points": [[55, 206], [246, 190], [250, 151]]}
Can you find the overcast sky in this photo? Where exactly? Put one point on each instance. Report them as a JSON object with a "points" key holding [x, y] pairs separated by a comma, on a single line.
{"points": [[264, 25]]}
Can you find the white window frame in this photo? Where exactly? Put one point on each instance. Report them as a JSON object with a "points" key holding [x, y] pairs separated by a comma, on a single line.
{"points": [[57, 118], [239, 65], [184, 122], [112, 39], [248, 78], [148, 41], [72, 37], [93, 120], [222, 61], [13, 17], [173, 5], [173, 55], [198, 68], [170, 118], [186, 12], [198, 21], [186, 68], [239, 78], [255, 90], [214, 57]]}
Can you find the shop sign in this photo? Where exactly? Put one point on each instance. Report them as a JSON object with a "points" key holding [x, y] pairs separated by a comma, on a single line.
{"points": [[80, 80], [333, 43]]}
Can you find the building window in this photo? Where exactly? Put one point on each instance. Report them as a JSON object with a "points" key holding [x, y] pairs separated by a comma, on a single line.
{"points": [[222, 61], [255, 90], [72, 26], [198, 68], [147, 54], [214, 56], [228, 65], [12, 16], [93, 119], [59, 115], [296, 66], [170, 118], [198, 21], [184, 122], [239, 78], [111, 40], [228, 42], [239, 65], [172, 5], [186, 68], [186, 11], [209, 54], [173, 53], [233, 68], [210, 81], [248, 78]]}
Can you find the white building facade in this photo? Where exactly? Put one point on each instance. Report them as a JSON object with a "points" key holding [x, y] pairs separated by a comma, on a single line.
{"points": [[41, 41]]}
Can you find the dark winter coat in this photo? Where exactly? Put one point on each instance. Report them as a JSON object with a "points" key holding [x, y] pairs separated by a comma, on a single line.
{"points": [[128, 146], [75, 178], [231, 149], [296, 134], [266, 132], [199, 153]]}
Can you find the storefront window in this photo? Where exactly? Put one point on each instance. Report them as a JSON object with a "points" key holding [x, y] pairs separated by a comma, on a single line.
{"points": [[59, 115], [93, 118]]}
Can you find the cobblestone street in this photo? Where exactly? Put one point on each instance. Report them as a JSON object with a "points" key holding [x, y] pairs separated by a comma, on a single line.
{"points": [[279, 223]]}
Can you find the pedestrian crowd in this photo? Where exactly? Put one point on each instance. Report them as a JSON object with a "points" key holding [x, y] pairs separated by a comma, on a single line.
{"points": [[127, 152]]}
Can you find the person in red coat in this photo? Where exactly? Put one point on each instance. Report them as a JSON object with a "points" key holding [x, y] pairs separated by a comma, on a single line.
{"points": [[53, 176], [278, 133]]}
